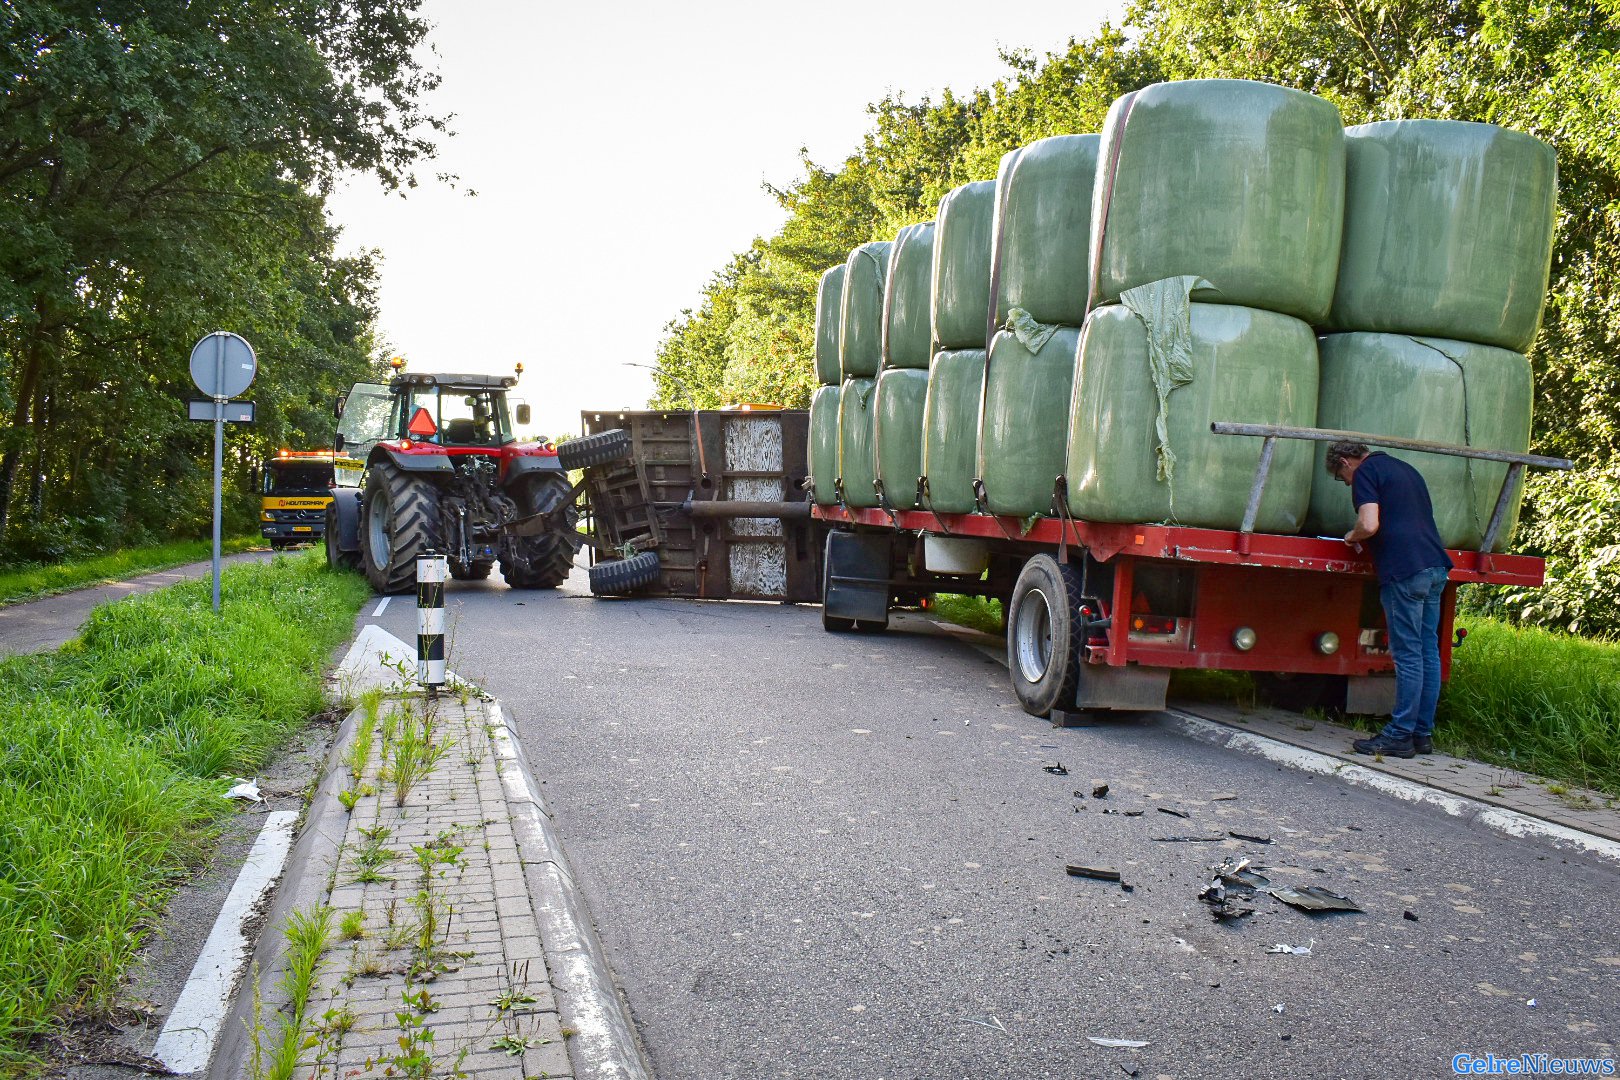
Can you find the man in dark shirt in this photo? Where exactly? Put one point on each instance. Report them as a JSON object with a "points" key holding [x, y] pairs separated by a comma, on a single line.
{"points": [[1395, 518]]}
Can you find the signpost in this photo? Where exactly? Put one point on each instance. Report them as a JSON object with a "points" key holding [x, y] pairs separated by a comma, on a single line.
{"points": [[222, 366]]}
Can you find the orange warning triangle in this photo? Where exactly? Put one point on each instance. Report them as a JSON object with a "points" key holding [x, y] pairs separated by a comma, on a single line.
{"points": [[422, 425]]}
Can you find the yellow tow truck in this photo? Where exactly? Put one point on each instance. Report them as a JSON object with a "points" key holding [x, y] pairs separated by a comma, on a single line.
{"points": [[295, 488]]}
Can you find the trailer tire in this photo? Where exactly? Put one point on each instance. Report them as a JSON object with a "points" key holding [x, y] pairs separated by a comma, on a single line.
{"points": [[621, 577], [603, 448], [1043, 635], [400, 512], [540, 562]]}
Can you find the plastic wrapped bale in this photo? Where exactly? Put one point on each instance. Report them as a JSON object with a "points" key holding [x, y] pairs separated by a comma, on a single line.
{"points": [[860, 342], [897, 427], [951, 429], [1136, 457], [857, 454], [1024, 437], [829, 316], [1448, 231], [824, 444], [1042, 230], [960, 310], [907, 335], [1426, 388], [1241, 183]]}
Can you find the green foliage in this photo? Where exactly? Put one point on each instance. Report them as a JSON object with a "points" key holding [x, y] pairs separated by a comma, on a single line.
{"points": [[163, 169], [110, 753]]}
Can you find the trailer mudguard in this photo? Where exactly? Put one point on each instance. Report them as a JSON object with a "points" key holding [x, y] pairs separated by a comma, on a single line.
{"points": [[527, 464], [346, 519], [857, 575]]}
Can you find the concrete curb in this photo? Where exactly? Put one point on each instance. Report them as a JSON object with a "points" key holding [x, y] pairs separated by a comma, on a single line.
{"points": [[605, 1046]]}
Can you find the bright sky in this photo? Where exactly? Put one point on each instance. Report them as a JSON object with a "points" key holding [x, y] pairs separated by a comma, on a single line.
{"points": [[618, 152]]}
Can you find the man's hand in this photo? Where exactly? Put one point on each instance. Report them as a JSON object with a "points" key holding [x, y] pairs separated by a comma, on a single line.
{"points": [[1366, 524]]}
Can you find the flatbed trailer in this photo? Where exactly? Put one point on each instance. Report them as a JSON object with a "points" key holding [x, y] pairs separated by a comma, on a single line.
{"points": [[1100, 614]]}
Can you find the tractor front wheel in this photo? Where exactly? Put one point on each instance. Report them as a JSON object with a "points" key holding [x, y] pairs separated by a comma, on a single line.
{"points": [[541, 562], [399, 520]]}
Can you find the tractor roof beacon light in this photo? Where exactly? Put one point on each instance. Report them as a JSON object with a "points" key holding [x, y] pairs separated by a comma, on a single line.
{"points": [[518, 368], [397, 363]]}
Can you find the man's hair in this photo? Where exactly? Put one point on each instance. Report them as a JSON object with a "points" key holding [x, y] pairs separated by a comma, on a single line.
{"points": [[1341, 452]]}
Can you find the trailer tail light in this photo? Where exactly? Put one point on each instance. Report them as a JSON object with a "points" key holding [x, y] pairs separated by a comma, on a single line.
{"points": [[1153, 624], [1327, 643], [1243, 638], [1374, 641]]}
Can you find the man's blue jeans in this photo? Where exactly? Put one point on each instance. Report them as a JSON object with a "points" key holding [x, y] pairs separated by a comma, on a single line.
{"points": [[1412, 614]]}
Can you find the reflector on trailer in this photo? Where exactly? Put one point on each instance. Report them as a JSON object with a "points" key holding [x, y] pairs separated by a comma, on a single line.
{"points": [[422, 424]]}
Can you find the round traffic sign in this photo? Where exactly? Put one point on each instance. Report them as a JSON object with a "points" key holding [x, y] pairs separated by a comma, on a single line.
{"points": [[223, 364]]}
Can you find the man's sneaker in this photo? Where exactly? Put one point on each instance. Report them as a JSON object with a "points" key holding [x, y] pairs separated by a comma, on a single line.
{"points": [[1382, 744], [1423, 744]]}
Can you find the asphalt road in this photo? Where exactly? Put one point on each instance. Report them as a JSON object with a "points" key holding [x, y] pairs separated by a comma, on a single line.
{"points": [[838, 856]]}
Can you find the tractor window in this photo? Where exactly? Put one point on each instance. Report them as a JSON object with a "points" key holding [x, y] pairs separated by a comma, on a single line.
{"points": [[463, 417], [365, 416]]}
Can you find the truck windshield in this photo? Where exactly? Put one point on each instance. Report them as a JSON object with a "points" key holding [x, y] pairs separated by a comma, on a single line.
{"points": [[301, 478]]}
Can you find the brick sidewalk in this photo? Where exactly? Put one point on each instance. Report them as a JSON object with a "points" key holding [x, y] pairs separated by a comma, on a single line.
{"points": [[447, 975]]}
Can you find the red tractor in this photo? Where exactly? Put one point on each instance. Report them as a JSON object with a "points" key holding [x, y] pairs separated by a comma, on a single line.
{"points": [[431, 462]]}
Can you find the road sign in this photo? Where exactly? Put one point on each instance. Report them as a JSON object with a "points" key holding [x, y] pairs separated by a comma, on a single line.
{"points": [[236, 412], [223, 364]]}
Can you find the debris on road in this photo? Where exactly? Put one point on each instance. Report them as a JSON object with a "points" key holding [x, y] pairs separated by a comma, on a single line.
{"points": [[1100, 791], [1122, 1044], [1409, 916], [1126, 813], [1249, 838], [1225, 796], [1292, 950], [1097, 873], [247, 790], [1056, 770], [1223, 907], [1277, 1009], [1172, 811], [1187, 839], [1313, 899], [993, 1024]]}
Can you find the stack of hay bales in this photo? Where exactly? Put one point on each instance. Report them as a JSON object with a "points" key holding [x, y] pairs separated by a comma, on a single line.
{"points": [[1039, 283], [1447, 247], [902, 386], [959, 313], [823, 451], [860, 355], [1217, 216]]}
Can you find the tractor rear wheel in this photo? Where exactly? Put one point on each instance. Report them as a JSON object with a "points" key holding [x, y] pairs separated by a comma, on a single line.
{"points": [[399, 520], [540, 562]]}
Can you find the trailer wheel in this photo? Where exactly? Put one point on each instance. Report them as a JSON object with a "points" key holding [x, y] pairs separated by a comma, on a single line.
{"points": [[622, 577], [399, 520], [603, 448], [1043, 646]]}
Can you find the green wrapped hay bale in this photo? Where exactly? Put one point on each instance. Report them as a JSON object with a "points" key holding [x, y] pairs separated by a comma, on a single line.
{"points": [[901, 395], [1232, 363], [860, 343], [907, 335], [1024, 437], [824, 444], [961, 281], [1426, 388], [1448, 231], [1241, 183], [857, 453], [1043, 230], [829, 315], [951, 428]]}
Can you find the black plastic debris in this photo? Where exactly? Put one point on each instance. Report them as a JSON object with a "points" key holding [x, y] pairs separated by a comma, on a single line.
{"points": [[1135, 813], [1223, 906], [1173, 812], [1225, 796], [1409, 916], [1187, 839], [1313, 899], [1100, 791], [1097, 873], [1249, 838], [1056, 770]]}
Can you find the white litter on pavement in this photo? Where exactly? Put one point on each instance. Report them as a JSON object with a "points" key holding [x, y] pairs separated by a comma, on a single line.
{"points": [[244, 789]]}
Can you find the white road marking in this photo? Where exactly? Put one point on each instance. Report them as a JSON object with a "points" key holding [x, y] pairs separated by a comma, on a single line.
{"points": [[1502, 820], [381, 606], [187, 1040]]}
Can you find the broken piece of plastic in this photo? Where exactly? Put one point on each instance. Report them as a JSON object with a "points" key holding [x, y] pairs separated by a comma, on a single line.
{"points": [[1125, 1044], [244, 789], [1291, 950], [1250, 838], [1098, 873], [1313, 898]]}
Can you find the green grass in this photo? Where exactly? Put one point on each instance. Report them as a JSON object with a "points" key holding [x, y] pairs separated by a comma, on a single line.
{"points": [[974, 612], [111, 754], [1534, 700], [32, 582]]}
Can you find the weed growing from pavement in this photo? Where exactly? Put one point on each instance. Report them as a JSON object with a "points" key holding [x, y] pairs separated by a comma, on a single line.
{"points": [[113, 746], [414, 752], [352, 927], [359, 752], [275, 1050]]}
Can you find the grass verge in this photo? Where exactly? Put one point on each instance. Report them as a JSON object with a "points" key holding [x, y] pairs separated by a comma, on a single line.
{"points": [[111, 754], [1528, 699], [32, 582]]}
